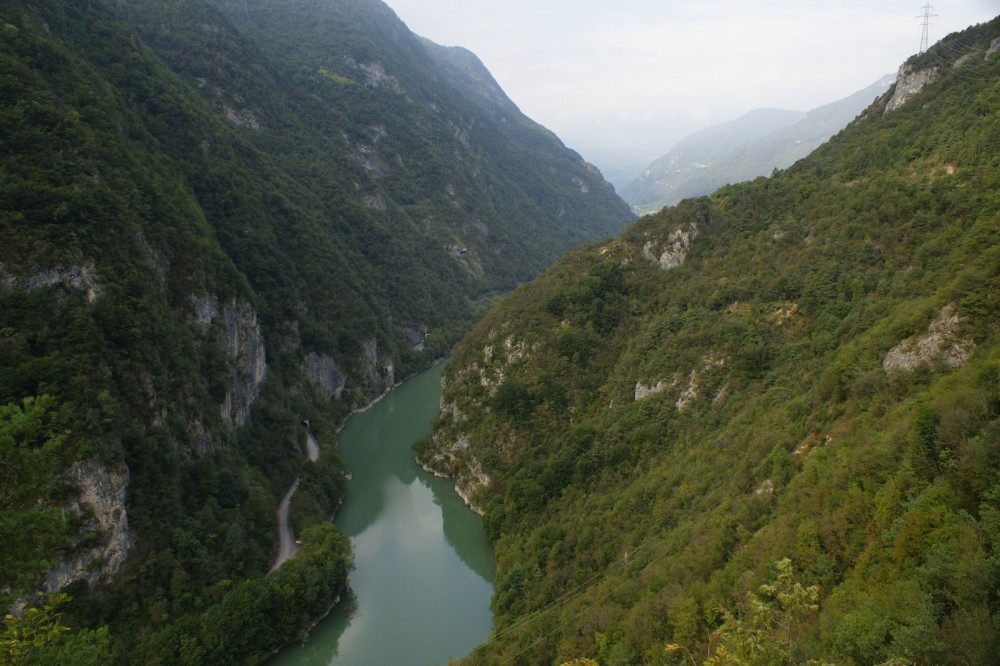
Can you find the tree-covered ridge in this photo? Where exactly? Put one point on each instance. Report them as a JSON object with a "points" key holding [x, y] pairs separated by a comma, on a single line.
{"points": [[210, 251], [802, 367], [426, 143]]}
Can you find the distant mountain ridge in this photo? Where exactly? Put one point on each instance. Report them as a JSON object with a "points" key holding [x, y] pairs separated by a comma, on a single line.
{"points": [[750, 146]]}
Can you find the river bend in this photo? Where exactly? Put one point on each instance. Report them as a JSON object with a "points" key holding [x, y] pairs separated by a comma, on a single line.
{"points": [[423, 577]]}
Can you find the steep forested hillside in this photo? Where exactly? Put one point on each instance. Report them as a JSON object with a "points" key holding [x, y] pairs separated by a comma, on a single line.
{"points": [[223, 226], [760, 427]]}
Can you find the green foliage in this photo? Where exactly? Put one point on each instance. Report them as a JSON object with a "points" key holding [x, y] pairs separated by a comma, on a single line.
{"points": [[735, 410], [514, 400], [252, 617], [167, 165], [39, 637], [32, 527], [777, 614]]}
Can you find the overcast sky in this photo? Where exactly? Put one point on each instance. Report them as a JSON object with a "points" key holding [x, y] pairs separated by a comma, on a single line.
{"points": [[592, 69]]}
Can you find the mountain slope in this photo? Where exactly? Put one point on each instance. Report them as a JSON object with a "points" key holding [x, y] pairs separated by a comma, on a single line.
{"points": [[212, 246], [762, 426], [437, 127], [696, 167], [697, 151]]}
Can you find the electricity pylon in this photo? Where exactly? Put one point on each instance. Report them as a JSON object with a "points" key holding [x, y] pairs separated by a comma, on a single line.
{"points": [[926, 16]]}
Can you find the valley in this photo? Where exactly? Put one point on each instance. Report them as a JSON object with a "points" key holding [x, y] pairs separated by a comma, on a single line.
{"points": [[423, 577], [760, 425]]}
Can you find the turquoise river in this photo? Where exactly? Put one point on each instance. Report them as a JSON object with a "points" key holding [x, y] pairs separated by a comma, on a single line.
{"points": [[423, 577]]}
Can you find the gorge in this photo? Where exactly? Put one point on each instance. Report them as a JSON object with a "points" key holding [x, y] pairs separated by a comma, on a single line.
{"points": [[220, 221], [761, 425], [423, 577]]}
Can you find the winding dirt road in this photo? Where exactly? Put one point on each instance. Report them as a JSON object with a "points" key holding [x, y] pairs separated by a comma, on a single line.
{"points": [[287, 546]]}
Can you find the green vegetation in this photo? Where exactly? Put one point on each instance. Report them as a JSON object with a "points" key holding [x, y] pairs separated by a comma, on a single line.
{"points": [[801, 370], [39, 637], [198, 200], [254, 616], [31, 455]]}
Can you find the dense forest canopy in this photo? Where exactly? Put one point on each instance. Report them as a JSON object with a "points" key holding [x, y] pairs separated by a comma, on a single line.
{"points": [[223, 227], [762, 426]]}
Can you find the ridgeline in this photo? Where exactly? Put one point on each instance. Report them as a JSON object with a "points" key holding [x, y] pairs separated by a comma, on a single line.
{"points": [[762, 426]]}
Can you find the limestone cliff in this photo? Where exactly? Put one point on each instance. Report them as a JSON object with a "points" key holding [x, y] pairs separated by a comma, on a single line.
{"points": [[672, 251], [101, 507], [320, 371], [942, 343], [241, 340], [378, 370], [909, 82], [78, 277]]}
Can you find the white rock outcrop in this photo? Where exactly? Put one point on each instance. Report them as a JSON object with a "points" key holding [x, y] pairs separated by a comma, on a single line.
{"points": [[674, 252], [241, 118], [320, 371], [415, 337], [994, 47], [377, 77], [452, 459], [242, 342], [765, 488], [80, 278], [379, 373], [941, 343], [689, 393], [206, 309], [470, 481], [909, 82], [101, 504], [643, 391]]}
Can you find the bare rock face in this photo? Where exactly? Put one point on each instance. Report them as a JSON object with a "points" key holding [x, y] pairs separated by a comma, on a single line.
{"points": [[206, 309], [379, 373], [688, 390], [241, 118], [941, 343], [415, 337], [642, 391], [994, 47], [452, 459], [320, 371], [470, 482], [72, 278], [101, 503], [673, 252], [909, 82], [377, 77], [241, 340]]}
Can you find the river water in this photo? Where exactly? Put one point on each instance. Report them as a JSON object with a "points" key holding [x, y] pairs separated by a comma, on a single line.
{"points": [[423, 577]]}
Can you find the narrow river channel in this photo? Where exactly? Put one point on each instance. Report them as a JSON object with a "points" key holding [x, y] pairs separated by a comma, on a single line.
{"points": [[420, 591]]}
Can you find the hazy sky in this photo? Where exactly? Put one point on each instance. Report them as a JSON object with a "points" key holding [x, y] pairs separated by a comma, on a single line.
{"points": [[592, 69]]}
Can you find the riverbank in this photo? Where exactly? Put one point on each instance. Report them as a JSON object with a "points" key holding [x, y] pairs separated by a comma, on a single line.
{"points": [[377, 400], [423, 567], [287, 545]]}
